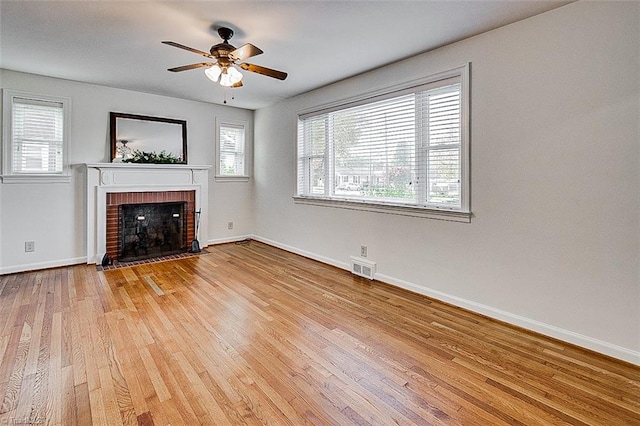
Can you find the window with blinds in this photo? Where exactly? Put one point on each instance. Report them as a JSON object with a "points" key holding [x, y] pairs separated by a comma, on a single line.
{"points": [[231, 148], [37, 136], [405, 148]]}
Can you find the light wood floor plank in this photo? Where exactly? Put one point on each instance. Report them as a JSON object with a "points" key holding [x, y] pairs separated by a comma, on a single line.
{"points": [[247, 334]]}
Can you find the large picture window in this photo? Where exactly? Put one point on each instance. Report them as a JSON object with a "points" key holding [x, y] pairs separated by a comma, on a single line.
{"points": [[35, 136], [406, 148]]}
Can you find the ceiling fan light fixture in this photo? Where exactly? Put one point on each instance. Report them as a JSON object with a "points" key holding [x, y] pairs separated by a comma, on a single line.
{"points": [[213, 73], [230, 76], [226, 61]]}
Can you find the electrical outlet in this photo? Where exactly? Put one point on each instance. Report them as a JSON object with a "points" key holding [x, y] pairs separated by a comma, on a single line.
{"points": [[229, 225], [29, 246], [363, 251]]}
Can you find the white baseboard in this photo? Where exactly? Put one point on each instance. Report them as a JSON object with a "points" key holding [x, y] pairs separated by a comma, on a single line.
{"points": [[95, 260], [228, 240], [520, 321], [42, 265], [568, 336], [327, 260]]}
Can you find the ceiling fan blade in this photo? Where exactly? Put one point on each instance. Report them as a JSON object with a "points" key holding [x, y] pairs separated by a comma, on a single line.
{"points": [[264, 71], [244, 52], [190, 67], [238, 84], [190, 49]]}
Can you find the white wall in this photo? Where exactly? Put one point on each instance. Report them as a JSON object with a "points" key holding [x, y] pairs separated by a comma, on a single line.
{"points": [[554, 243], [54, 215]]}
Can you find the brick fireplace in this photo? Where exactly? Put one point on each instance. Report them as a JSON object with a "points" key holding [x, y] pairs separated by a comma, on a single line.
{"points": [[112, 185], [115, 202]]}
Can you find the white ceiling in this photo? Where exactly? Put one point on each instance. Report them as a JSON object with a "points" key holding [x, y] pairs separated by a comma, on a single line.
{"points": [[117, 43]]}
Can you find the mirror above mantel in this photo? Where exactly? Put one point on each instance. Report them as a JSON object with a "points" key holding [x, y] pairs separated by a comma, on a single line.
{"points": [[164, 138]]}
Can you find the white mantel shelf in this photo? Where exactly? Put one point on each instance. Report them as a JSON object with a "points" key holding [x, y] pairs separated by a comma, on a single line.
{"points": [[145, 166], [127, 174], [103, 178]]}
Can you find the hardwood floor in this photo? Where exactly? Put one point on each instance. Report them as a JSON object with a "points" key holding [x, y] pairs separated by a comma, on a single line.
{"points": [[250, 334]]}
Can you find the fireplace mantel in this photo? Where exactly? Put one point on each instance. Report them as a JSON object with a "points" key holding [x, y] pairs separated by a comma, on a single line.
{"points": [[131, 173], [104, 178]]}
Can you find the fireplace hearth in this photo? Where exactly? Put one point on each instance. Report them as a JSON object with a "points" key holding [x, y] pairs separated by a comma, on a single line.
{"points": [[151, 230]]}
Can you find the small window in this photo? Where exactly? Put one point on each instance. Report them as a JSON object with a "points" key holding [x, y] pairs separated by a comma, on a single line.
{"points": [[35, 138], [231, 149], [404, 149]]}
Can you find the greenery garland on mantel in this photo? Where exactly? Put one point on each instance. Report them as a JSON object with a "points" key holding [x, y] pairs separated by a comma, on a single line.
{"points": [[143, 157]]}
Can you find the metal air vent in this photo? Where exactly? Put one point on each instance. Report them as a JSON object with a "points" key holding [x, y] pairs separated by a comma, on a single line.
{"points": [[362, 267]]}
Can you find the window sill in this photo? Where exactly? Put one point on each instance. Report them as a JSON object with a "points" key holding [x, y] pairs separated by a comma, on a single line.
{"points": [[220, 178], [402, 210], [35, 178]]}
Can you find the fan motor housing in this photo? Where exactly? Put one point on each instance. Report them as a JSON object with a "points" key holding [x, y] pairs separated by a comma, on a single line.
{"points": [[221, 50]]}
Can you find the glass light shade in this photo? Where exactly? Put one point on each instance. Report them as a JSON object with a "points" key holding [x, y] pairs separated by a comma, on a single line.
{"points": [[234, 75], [213, 73], [225, 79]]}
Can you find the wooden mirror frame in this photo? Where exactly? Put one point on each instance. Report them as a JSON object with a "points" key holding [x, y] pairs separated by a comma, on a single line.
{"points": [[179, 145]]}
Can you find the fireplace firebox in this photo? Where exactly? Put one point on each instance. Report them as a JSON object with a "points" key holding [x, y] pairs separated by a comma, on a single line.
{"points": [[114, 200], [148, 230]]}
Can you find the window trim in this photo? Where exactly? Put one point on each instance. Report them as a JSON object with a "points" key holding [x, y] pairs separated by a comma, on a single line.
{"points": [[8, 175], [463, 214], [244, 177], [388, 208]]}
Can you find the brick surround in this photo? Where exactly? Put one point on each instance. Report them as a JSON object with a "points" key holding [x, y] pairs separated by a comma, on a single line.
{"points": [[115, 199]]}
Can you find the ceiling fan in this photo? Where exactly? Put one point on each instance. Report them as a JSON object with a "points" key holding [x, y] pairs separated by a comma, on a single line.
{"points": [[226, 59]]}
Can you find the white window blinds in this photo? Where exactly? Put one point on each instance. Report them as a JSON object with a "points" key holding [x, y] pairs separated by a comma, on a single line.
{"points": [[401, 148], [37, 136], [232, 150], [442, 145]]}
